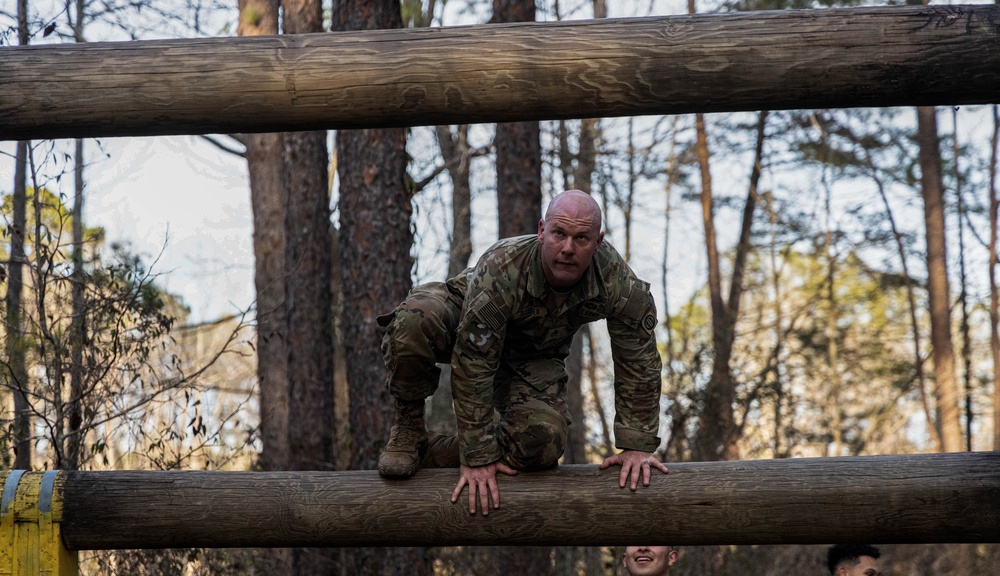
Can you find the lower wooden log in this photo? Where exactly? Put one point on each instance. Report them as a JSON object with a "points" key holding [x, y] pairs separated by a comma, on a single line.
{"points": [[877, 499]]}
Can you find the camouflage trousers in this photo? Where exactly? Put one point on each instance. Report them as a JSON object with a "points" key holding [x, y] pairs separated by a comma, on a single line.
{"points": [[529, 396]]}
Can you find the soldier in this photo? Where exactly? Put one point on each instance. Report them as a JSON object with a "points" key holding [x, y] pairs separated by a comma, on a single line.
{"points": [[649, 560], [853, 560], [506, 326]]}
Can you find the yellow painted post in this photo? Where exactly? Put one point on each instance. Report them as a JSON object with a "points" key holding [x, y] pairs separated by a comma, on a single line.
{"points": [[7, 555], [30, 512]]}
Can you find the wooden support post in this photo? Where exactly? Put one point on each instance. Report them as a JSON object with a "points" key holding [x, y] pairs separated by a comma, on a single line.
{"points": [[876, 499], [30, 538], [789, 59]]}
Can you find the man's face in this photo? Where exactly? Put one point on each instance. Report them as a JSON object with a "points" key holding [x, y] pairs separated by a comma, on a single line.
{"points": [[568, 243], [866, 566], [649, 560]]}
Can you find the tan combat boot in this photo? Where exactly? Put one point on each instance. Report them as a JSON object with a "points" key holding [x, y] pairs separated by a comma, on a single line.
{"points": [[407, 442], [442, 452]]}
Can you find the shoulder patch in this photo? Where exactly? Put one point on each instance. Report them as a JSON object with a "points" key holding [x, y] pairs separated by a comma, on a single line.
{"points": [[649, 322], [487, 311]]}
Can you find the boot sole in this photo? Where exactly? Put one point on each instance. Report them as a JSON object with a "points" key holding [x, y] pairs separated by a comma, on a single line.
{"points": [[393, 472]]}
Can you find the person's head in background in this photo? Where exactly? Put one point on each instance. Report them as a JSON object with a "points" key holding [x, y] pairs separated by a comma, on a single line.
{"points": [[649, 560], [853, 560]]}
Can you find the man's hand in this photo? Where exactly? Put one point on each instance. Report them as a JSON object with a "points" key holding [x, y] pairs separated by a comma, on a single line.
{"points": [[634, 463], [481, 480]]}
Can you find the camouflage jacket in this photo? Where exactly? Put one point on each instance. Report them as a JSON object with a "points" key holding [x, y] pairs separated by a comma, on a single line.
{"points": [[510, 315]]}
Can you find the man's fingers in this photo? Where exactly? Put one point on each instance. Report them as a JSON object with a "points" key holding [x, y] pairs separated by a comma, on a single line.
{"points": [[458, 490], [473, 489], [661, 466], [623, 475], [646, 472], [495, 493], [484, 498], [505, 469], [634, 477]]}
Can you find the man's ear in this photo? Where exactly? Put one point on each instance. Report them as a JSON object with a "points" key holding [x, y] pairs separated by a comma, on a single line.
{"points": [[541, 227], [672, 557]]}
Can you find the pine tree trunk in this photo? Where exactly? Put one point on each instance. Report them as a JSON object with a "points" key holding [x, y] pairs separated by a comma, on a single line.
{"points": [[265, 167], [266, 172], [994, 295], [518, 151], [308, 303], [375, 241], [17, 373], [716, 419], [946, 387], [74, 411]]}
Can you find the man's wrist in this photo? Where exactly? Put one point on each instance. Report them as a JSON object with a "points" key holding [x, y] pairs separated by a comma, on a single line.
{"points": [[481, 455], [630, 439]]}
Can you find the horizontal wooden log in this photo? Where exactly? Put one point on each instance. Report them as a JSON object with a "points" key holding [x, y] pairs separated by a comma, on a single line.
{"points": [[877, 499], [795, 59]]}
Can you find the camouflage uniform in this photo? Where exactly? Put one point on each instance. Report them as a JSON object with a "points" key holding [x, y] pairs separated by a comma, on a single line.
{"points": [[507, 335]]}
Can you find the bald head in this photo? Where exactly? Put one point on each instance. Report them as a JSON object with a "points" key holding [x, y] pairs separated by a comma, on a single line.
{"points": [[576, 205], [569, 235]]}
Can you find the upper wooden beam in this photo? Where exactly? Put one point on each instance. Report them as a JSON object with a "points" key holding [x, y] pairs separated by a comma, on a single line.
{"points": [[794, 59], [877, 499]]}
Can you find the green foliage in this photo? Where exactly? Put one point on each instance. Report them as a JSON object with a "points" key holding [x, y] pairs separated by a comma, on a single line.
{"points": [[787, 368], [91, 333]]}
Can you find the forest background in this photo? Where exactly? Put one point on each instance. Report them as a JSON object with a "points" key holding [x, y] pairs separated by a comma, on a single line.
{"points": [[825, 281]]}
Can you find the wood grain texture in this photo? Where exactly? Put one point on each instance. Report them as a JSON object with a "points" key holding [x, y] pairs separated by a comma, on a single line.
{"points": [[875, 499], [794, 59]]}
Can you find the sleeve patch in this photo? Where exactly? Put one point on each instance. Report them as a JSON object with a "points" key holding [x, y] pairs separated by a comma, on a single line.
{"points": [[649, 322]]}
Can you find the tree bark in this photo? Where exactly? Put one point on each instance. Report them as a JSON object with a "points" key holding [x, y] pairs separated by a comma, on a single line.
{"points": [[78, 326], [994, 290], [946, 387], [375, 240], [16, 369], [518, 150], [265, 168], [268, 197], [519, 177], [308, 302]]}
